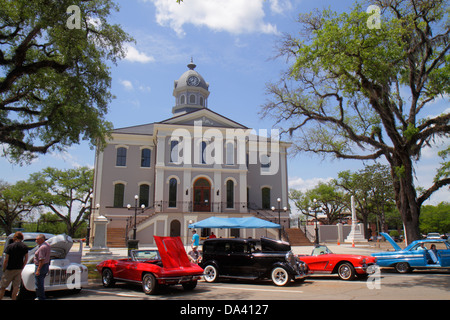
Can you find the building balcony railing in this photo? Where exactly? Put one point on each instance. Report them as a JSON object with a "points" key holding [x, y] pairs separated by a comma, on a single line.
{"points": [[215, 207], [145, 213]]}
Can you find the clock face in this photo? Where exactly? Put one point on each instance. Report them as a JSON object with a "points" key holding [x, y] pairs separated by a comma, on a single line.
{"points": [[193, 81]]}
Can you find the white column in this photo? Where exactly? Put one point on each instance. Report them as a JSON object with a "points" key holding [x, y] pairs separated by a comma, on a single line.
{"points": [[159, 172], [243, 192]]}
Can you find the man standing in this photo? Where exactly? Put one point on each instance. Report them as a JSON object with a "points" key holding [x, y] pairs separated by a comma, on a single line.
{"points": [[15, 260], [42, 263], [195, 239]]}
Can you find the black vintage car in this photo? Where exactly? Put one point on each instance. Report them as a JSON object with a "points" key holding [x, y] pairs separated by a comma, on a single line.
{"points": [[251, 259]]}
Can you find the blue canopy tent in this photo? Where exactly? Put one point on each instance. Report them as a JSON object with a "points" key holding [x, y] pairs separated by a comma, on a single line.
{"points": [[234, 223]]}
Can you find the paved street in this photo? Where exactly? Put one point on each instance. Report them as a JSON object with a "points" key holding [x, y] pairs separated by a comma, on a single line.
{"points": [[389, 285], [423, 285]]}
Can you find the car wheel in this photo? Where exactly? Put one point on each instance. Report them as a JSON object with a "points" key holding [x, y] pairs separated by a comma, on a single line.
{"points": [[280, 277], [402, 267], [189, 285], [107, 278], [210, 273], [346, 271], [149, 284]]}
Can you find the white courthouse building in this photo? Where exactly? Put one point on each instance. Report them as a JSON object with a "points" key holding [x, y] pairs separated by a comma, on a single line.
{"points": [[192, 166]]}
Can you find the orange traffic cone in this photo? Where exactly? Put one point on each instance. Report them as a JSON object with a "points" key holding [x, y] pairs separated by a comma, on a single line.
{"points": [[353, 243], [338, 243]]}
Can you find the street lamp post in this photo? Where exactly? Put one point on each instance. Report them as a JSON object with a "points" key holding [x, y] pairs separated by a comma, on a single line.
{"points": [[133, 243], [279, 215], [316, 241], [136, 197]]}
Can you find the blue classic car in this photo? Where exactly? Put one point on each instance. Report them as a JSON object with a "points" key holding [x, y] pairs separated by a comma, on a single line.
{"points": [[426, 254]]}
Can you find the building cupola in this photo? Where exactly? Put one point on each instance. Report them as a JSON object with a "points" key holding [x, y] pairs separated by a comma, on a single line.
{"points": [[191, 91]]}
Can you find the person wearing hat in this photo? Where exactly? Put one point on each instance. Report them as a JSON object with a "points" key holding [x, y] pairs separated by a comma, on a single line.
{"points": [[194, 255]]}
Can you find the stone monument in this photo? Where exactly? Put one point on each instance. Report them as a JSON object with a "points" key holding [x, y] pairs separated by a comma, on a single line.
{"points": [[99, 246], [355, 234]]}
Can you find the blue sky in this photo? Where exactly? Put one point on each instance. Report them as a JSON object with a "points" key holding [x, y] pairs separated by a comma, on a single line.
{"points": [[232, 43]]}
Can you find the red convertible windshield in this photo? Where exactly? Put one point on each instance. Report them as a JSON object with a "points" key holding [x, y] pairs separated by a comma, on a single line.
{"points": [[144, 255], [321, 250]]}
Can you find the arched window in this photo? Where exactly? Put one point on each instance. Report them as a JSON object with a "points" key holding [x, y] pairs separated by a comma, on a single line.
{"points": [[121, 159], [265, 193], [230, 194], [119, 191], [192, 99], [202, 101], [144, 191], [173, 193], [145, 158], [182, 99]]}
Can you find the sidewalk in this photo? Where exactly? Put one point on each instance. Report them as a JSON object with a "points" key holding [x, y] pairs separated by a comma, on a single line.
{"points": [[345, 248]]}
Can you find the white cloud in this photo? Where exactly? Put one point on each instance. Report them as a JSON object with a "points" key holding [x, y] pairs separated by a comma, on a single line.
{"points": [[67, 157], [280, 6], [144, 88], [127, 84], [234, 16], [134, 55], [303, 185]]}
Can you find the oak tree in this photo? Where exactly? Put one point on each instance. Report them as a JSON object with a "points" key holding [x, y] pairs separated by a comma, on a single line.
{"points": [[55, 79], [356, 89]]}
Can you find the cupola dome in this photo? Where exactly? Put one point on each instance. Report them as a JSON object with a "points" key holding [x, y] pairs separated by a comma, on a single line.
{"points": [[190, 91]]}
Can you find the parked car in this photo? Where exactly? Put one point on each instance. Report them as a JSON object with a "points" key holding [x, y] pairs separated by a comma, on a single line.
{"points": [[417, 255], [433, 235], [29, 238], [65, 272], [251, 259], [346, 266], [168, 265]]}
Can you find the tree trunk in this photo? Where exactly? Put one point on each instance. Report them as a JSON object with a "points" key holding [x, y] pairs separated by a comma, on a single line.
{"points": [[406, 198]]}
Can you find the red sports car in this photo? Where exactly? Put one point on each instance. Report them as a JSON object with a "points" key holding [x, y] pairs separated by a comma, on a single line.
{"points": [[152, 268], [347, 266]]}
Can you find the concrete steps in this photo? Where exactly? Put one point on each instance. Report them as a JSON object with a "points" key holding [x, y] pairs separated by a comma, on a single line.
{"points": [[297, 237], [116, 238]]}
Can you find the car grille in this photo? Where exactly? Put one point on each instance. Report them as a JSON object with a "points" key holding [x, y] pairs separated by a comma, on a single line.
{"points": [[292, 261], [297, 265]]}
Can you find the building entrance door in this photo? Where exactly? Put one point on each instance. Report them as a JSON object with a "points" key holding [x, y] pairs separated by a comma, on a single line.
{"points": [[202, 195]]}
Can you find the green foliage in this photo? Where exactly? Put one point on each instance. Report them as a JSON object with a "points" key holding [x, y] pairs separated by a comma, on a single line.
{"points": [[394, 233], [51, 223], [435, 218], [329, 201], [55, 81], [48, 223], [353, 92], [444, 170], [16, 202], [65, 192]]}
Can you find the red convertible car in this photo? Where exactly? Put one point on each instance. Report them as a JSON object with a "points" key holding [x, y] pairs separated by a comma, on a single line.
{"points": [[347, 266], [151, 268]]}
